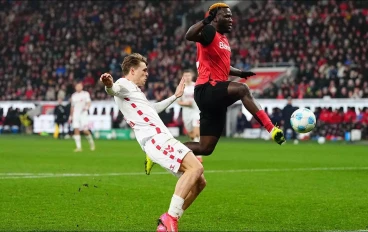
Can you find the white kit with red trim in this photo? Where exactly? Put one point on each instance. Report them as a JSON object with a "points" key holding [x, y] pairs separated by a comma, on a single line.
{"points": [[137, 110]]}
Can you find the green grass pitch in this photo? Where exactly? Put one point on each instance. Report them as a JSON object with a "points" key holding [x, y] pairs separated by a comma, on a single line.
{"points": [[251, 186]]}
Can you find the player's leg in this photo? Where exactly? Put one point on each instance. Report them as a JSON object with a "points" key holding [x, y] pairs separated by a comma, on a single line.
{"points": [[195, 127], [89, 138], [238, 91], [191, 125], [196, 133], [210, 101], [193, 194], [87, 133], [212, 125], [178, 159], [192, 171], [77, 138]]}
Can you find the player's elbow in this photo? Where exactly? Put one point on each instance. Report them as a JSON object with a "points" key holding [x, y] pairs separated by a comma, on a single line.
{"points": [[188, 36]]}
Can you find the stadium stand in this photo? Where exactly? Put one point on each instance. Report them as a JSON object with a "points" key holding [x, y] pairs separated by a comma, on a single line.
{"points": [[45, 46]]}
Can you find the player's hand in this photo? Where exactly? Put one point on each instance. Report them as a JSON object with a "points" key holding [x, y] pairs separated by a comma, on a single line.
{"points": [[70, 119], [180, 89], [245, 74], [107, 79], [211, 16]]}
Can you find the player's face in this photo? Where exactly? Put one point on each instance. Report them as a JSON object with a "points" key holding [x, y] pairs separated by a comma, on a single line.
{"points": [[224, 20], [188, 77], [78, 87], [140, 74]]}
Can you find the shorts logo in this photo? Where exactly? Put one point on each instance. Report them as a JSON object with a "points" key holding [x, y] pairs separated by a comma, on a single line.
{"points": [[169, 149], [172, 167], [180, 151]]}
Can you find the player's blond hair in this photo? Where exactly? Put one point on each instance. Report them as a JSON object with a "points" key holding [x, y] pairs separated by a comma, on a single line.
{"points": [[132, 61], [218, 5]]}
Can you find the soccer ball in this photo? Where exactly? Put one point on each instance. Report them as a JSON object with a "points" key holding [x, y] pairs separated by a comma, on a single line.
{"points": [[303, 120]]}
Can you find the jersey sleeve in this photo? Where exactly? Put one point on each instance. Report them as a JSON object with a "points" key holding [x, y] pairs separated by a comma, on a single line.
{"points": [[117, 89], [162, 105], [207, 35]]}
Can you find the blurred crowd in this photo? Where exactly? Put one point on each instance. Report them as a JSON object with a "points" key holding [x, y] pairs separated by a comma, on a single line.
{"points": [[327, 41], [45, 46]]}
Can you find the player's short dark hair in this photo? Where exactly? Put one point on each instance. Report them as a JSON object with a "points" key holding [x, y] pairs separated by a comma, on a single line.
{"points": [[132, 61]]}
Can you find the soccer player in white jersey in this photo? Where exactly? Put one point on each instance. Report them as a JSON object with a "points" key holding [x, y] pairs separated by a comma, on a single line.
{"points": [[154, 137], [190, 111], [80, 103]]}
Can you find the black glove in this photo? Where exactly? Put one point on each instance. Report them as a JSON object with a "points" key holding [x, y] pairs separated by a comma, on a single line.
{"points": [[211, 16], [245, 74]]}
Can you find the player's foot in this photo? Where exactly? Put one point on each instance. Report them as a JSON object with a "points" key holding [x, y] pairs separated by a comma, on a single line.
{"points": [[93, 148], [161, 228], [78, 150], [278, 135], [148, 164], [166, 223], [200, 159]]}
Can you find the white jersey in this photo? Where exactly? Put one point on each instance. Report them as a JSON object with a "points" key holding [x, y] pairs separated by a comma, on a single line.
{"points": [[189, 111], [79, 102], [139, 113]]}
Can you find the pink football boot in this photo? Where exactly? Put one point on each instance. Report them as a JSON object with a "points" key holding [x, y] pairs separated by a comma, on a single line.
{"points": [[166, 223]]}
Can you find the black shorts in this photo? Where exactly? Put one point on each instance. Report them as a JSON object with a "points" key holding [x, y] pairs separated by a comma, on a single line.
{"points": [[213, 101]]}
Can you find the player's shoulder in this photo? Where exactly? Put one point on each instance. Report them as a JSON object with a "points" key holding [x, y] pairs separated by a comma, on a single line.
{"points": [[86, 93], [74, 95], [121, 81]]}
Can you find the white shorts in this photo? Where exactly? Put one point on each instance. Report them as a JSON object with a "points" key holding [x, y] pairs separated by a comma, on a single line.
{"points": [[166, 151], [80, 121], [191, 122]]}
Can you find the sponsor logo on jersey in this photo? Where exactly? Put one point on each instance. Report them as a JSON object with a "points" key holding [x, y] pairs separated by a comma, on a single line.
{"points": [[224, 46]]}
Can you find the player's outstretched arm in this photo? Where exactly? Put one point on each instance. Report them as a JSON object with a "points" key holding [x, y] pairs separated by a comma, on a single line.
{"points": [[162, 105], [202, 31], [239, 73], [110, 88]]}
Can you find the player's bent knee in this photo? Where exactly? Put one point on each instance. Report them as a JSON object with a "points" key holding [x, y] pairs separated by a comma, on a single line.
{"points": [[244, 90], [207, 151], [191, 164]]}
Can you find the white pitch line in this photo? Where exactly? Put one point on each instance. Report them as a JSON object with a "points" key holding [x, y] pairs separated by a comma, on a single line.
{"points": [[55, 175]]}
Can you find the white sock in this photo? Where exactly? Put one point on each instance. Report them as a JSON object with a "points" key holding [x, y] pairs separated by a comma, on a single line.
{"points": [[77, 139], [176, 206], [90, 140], [196, 139]]}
